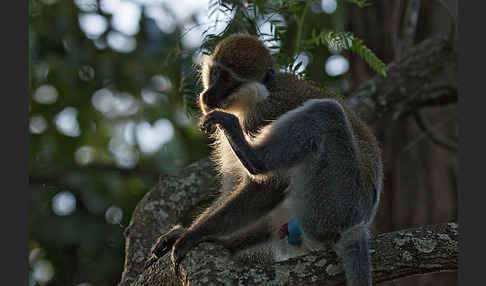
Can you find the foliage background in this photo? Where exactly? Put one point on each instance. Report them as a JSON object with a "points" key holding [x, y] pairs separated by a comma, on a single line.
{"points": [[112, 109]]}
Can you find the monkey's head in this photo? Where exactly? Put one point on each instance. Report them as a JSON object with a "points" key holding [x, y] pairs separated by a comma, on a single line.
{"points": [[234, 76]]}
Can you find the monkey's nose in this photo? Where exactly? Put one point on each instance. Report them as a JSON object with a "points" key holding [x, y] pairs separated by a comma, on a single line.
{"points": [[207, 100]]}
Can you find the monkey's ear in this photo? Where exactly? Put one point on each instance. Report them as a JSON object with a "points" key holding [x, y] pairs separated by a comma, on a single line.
{"points": [[269, 78]]}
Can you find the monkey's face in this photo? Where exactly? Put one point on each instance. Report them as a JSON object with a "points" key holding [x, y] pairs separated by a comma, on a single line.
{"points": [[223, 89], [219, 84]]}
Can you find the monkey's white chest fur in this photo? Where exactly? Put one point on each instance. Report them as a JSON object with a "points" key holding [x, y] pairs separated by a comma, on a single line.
{"points": [[246, 95]]}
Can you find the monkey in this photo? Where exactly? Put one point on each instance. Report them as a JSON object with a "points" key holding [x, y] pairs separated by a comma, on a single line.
{"points": [[295, 160]]}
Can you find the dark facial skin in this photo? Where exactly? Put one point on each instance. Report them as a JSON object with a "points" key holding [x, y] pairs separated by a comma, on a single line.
{"points": [[221, 85]]}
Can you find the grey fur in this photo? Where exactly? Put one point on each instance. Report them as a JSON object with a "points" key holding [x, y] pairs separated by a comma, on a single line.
{"points": [[295, 151]]}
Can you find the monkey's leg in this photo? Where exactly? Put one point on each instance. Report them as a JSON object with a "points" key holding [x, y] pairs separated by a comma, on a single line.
{"points": [[244, 206], [165, 241], [260, 232]]}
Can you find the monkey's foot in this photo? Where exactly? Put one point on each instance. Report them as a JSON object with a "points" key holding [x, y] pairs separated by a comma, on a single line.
{"points": [[179, 251], [163, 244]]}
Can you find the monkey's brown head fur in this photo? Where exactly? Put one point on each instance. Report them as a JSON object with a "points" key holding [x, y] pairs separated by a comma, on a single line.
{"points": [[245, 55]]}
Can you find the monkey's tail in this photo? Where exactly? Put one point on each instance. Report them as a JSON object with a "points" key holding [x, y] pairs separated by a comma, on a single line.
{"points": [[353, 248]]}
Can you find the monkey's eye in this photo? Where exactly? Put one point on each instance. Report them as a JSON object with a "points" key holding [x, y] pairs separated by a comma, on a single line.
{"points": [[214, 73], [225, 76]]}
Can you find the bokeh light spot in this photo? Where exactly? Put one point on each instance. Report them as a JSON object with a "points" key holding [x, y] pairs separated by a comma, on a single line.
{"points": [[329, 6], [37, 124], [67, 123], [109, 6], [151, 138], [121, 43], [43, 271], [149, 96], [46, 94], [64, 203], [125, 155], [84, 155], [164, 21], [127, 18], [160, 83], [114, 215], [112, 106], [102, 100], [86, 73], [336, 65], [93, 25], [86, 5], [129, 132]]}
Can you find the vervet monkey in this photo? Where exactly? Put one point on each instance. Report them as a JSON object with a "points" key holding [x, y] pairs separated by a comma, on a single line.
{"points": [[294, 159]]}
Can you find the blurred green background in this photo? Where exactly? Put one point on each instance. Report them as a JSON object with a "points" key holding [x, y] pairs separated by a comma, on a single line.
{"points": [[105, 118]]}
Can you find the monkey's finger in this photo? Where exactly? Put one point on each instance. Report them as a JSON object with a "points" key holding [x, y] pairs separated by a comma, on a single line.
{"points": [[205, 127], [161, 248], [150, 261], [175, 267]]}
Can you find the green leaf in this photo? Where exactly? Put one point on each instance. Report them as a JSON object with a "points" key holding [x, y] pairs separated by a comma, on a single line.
{"points": [[347, 41]]}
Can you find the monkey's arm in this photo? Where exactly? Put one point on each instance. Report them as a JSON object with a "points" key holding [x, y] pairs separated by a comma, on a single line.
{"points": [[289, 138], [232, 129]]}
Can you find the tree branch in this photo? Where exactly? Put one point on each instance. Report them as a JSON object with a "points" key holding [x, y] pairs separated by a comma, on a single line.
{"points": [[397, 254], [407, 77], [394, 255]]}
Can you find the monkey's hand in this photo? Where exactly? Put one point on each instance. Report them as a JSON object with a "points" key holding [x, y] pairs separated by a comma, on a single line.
{"points": [[164, 243], [224, 119]]}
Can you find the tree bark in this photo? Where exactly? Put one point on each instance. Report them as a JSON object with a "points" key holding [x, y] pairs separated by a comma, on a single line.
{"points": [[396, 254]]}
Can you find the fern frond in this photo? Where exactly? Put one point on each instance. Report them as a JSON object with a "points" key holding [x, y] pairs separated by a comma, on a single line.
{"points": [[340, 41]]}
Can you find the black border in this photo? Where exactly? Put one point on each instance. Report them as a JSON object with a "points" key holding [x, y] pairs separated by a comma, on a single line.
{"points": [[472, 128], [14, 124]]}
